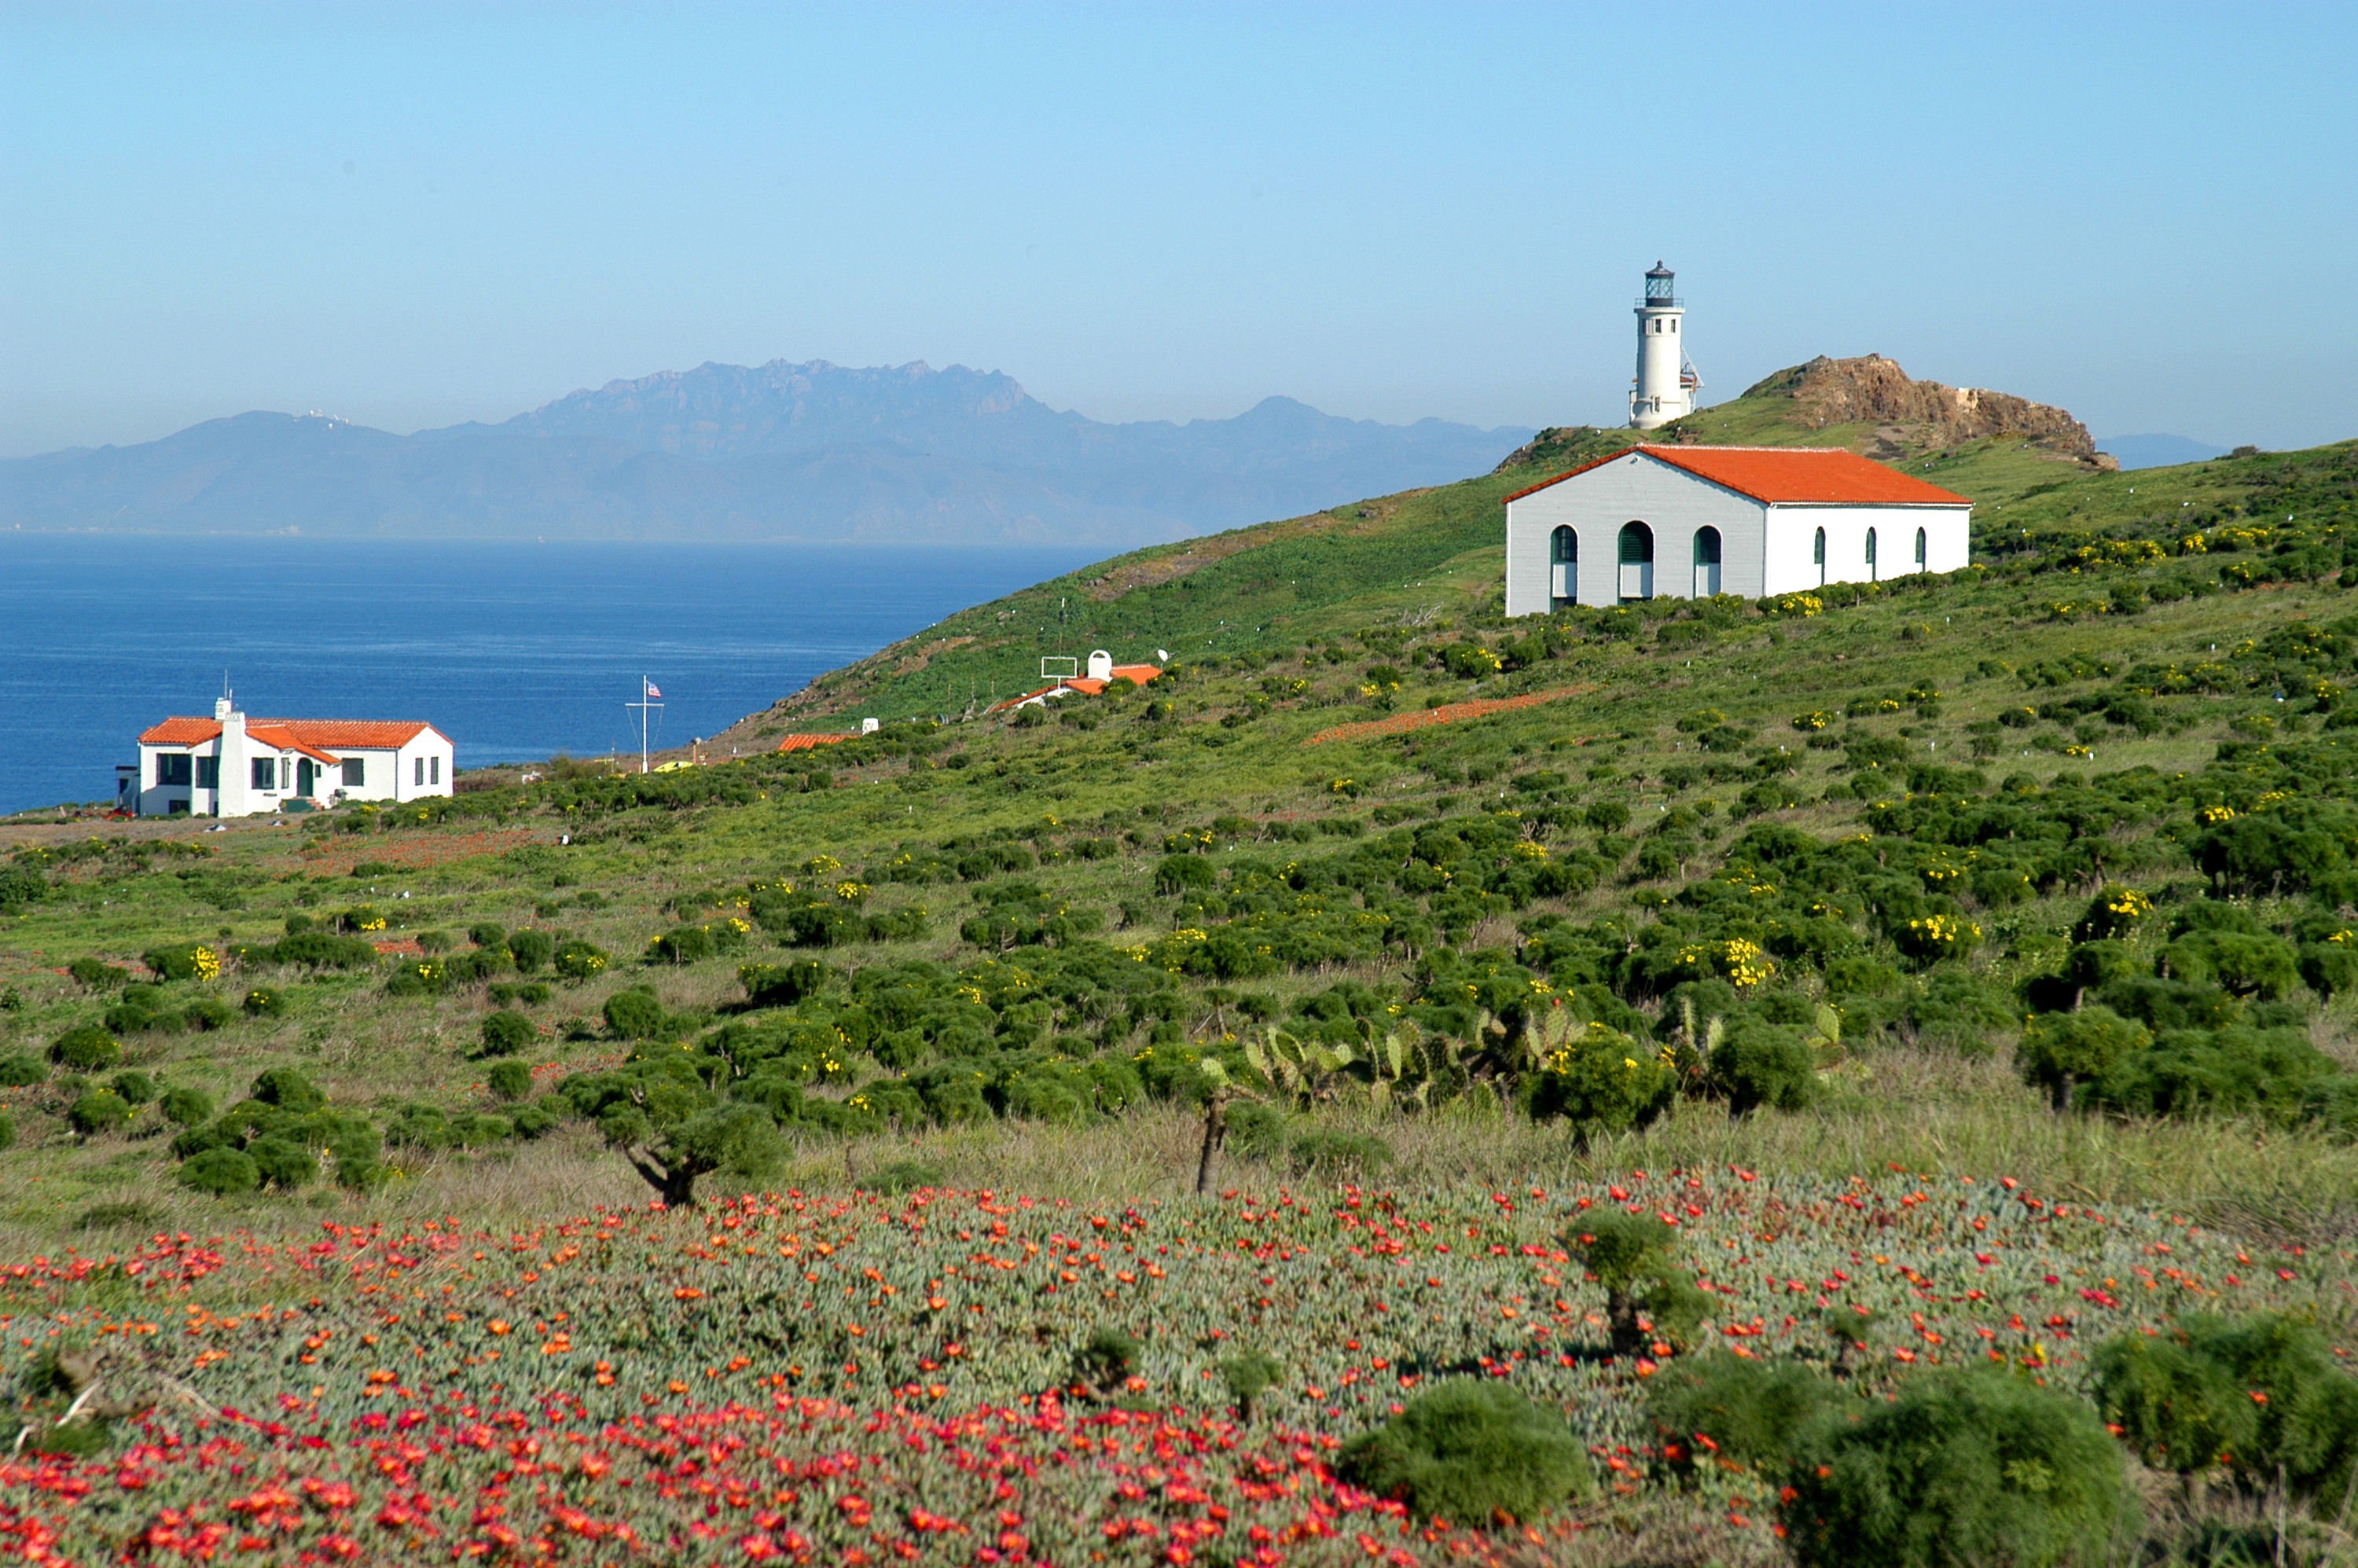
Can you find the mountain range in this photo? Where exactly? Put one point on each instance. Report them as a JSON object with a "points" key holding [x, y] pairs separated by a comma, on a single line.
{"points": [[810, 451]]}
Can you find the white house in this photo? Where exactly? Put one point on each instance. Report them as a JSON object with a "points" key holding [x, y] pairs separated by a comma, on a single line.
{"points": [[1689, 522], [230, 765]]}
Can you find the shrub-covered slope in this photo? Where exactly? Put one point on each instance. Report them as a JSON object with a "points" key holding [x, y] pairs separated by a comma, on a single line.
{"points": [[1946, 983]]}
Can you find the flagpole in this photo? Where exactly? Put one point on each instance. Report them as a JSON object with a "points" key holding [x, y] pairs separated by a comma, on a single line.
{"points": [[647, 694]]}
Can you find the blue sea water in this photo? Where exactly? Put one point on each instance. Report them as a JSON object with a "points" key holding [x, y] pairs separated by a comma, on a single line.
{"points": [[515, 651]]}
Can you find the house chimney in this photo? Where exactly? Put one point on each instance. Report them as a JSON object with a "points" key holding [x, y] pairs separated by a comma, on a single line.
{"points": [[222, 708]]}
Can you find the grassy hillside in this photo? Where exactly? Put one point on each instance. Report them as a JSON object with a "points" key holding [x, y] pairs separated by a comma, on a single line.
{"points": [[1433, 553], [1964, 965]]}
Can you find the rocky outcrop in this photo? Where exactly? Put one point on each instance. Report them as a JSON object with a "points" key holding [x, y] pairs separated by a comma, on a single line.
{"points": [[1909, 415]]}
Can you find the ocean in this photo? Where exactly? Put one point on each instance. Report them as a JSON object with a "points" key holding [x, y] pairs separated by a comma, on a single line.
{"points": [[514, 651]]}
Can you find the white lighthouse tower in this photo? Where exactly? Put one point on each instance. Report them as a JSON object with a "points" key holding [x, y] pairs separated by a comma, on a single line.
{"points": [[1667, 384]]}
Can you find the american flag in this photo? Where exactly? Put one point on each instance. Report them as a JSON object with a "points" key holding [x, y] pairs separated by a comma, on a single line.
{"points": [[654, 692]]}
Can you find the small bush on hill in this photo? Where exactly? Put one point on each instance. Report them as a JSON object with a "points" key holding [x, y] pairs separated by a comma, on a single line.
{"points": [[1746, 1411], [2265, 1392], [1765, 1064], [1960, 1467], [505, 1034], [531, 951], [100, 1111], [288, 1089], [1467, 1450], [85, 1049], [187, 1107], [634, 1015], [220, 1173], [509, 1080]]}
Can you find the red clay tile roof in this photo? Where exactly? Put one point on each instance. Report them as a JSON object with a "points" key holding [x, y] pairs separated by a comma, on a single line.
{"points": [[808, 743], [287, 741], [1087, 686], [328, 734], [1827, 476]]}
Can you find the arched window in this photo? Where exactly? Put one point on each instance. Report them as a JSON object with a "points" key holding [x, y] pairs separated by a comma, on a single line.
{"points": [[1637, 561], [1563, 567], [1706, 562], [1870, 554], [1818, 555], [1920, 549]]}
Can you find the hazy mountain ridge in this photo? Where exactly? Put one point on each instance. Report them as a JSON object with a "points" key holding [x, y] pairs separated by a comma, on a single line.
{"points": [[780, 450]]}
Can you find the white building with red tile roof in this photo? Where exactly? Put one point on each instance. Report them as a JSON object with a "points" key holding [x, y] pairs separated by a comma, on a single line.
{"points": [[230, 765], [1685, 522]]}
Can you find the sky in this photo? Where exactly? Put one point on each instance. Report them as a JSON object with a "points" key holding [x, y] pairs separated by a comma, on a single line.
{"points": [[414, 215]]}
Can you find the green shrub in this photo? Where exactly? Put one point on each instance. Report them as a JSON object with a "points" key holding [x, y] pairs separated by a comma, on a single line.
{"points": [[1765, 1064], [901, 1176], [322, 950], [98, 975], [1633, 1257], [531, 950], [284, 1162], [2061, 1051], [1600, 1080], [505, 1034], [509, 1080], [536, 1119], [8, 1130], [220, 1173], [1255, 1129], [22, 1069], [487, 934], [434, 942], [262, 1002], [182, 963], [2175, 1408], [1247, 1377], [1959, 1466], [187, 1107], [1176, 874], [1747, 1412], [782, 985], [288, 1089], [634, 1015], [1467, 1450], [359, 1154], [577, 959], [2180, 1396], [100, 1111], [135, 1088], [1109, 1359], [85, 1049], [207, 1013]]}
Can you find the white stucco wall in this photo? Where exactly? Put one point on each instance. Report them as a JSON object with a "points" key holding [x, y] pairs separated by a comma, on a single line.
{"points": [[1599, 503], [1792, 534]]}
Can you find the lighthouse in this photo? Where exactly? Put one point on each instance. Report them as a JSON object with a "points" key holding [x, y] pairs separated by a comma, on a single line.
{"points": [[1667, 384]]}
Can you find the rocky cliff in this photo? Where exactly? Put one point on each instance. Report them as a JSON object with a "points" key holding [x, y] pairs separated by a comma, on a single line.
{"points": [[1910, 414]]}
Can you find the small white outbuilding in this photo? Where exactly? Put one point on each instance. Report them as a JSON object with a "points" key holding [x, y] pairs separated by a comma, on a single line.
{"points": [[1685, 522]]}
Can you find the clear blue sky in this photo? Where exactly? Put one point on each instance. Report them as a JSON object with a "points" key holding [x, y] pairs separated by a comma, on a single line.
{"points": [[417, 214]]}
